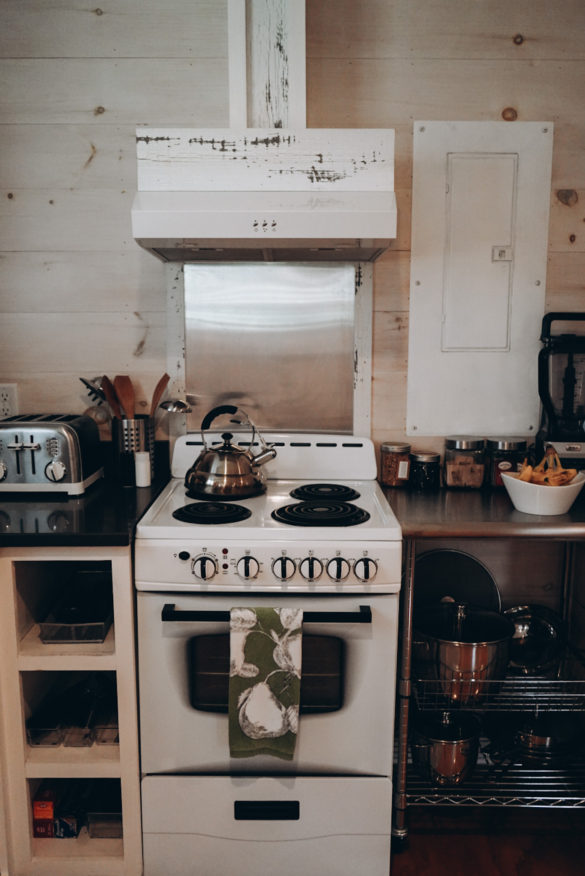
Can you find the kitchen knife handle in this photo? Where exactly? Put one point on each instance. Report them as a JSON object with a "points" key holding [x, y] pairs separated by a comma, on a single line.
{"points": [[363, 616]]}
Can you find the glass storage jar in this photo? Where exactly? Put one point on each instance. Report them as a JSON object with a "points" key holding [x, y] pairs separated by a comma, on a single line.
{"points": [[425, 471], [504, 455], [464, 462], [395, 464]]}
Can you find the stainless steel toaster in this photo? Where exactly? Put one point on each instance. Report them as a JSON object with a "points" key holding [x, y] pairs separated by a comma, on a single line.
{"points": [[49, 453]]}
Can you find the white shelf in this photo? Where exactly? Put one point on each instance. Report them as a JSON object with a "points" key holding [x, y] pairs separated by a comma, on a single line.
{"points": [[35, 654], [82, 855], [60, 761]]}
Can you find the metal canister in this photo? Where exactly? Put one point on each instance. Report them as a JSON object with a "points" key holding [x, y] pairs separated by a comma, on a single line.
{"points": [[504, 455]]}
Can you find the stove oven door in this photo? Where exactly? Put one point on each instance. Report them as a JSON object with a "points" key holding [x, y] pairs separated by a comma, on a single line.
{"points": [[346, 730]]}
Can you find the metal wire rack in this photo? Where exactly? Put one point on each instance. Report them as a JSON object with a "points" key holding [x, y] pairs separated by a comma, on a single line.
{"points": [[510, 695], [508, 782]]}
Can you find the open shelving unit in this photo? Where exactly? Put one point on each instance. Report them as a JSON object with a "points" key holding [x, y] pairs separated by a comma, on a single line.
{"points": [[29, 580]]}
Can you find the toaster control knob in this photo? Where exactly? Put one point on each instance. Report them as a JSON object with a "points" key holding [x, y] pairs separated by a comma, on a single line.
{"points": [[284, 568], [248, 567], [365, 569], [311, 568], [55, 470], [3, 470], [338, 569], [204, 567]]}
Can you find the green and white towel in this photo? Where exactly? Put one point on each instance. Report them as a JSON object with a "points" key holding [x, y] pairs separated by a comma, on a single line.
{"points": [[265, 681]]}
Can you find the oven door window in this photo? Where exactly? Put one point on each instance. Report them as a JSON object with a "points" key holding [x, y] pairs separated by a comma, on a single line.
{"points": [[208, 658]]}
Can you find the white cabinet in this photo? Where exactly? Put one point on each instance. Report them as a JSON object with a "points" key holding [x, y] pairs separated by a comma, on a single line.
{"points": [[29, 580]]}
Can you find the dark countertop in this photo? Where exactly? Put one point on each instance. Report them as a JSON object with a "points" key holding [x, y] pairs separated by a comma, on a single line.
{"points": [[479, 514], [105, 515]]}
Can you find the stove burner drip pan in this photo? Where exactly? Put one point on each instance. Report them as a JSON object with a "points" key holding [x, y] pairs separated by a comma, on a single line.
{"points": [[212, 512], [321, 514], [337, 492]]}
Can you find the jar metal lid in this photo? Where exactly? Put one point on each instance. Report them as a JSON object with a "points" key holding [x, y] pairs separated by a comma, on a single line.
{"points": [[425, 456], [395, 448], [464, 442], [507, 443]]}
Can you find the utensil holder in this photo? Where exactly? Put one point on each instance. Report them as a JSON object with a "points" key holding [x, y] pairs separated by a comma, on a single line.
{"points": [[129, 436]]}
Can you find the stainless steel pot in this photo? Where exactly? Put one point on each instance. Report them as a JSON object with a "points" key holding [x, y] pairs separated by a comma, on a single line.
{"points": [[461, 648], [445, 746], [549, 737], [228, 471]]}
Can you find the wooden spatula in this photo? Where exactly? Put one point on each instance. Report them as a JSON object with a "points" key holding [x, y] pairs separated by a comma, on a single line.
{"points": [[111, 397], [125, 393], [158, 392]]}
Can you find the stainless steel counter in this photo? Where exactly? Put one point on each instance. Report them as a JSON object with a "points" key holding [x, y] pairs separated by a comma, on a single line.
{"points": [[479, 514]]}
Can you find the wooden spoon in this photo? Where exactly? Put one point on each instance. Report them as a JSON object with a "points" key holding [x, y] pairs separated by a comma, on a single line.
{"points": [[111, 397], [125, 393], [157, 394]]}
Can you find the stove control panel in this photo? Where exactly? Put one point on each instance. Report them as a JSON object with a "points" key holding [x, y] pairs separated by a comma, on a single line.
{"points": [[166, 565]]}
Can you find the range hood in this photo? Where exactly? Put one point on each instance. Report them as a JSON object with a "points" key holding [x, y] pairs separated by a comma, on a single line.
{"points": [[265, 194]]}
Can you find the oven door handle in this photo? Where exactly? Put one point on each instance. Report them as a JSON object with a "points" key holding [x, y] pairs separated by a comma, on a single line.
{"points": [[363, 616]]}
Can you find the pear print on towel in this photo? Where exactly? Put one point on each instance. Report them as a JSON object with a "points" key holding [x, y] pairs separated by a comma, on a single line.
{"points": [[265, 664]]}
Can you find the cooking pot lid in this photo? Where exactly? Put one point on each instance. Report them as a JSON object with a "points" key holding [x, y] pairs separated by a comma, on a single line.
{"points": [[453, 575]]}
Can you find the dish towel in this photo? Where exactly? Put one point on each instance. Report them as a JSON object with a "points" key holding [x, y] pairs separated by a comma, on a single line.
{"points": [[265, 681]]}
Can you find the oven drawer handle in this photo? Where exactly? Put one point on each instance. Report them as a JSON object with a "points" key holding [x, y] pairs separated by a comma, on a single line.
{"points": [[363, 616], [267, 810]]}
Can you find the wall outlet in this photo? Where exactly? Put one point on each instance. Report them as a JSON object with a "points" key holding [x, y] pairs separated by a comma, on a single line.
{"points": [[8, 400]]}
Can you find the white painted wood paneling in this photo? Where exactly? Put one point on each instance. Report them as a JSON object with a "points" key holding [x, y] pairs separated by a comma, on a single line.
{"points": [[453, 29], [102, 91], [275, 159], [480, 200], [113, 281], [119, 29], [53, 157], [276, 64]]}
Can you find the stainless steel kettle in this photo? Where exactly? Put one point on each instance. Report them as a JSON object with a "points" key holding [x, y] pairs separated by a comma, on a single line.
{"points": [[228, 471]]}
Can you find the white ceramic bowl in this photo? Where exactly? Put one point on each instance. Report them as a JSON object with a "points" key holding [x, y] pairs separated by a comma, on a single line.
{"points": [[542, 499]]}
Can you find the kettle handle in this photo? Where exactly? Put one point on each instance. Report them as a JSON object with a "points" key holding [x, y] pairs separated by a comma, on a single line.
{"points": [[215, 412]]}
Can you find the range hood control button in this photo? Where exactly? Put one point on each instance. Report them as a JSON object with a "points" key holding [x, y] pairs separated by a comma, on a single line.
{"points": [[284, 568], [248, 567], [311, 568], [204, 567], [365, 569], [338, 569]]}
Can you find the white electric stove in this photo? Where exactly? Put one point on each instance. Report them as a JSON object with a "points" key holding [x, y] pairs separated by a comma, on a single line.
{"points": [[328, 810]]}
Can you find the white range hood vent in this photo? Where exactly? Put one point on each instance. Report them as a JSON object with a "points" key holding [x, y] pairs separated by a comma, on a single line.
{"points": [[265, 194]]}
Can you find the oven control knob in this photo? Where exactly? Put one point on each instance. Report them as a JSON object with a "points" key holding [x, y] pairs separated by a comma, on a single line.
{"points": [[338, 569], [311, 568], [284, 568], [3, 470], [204, 567], [247, 567], [365, 569]]}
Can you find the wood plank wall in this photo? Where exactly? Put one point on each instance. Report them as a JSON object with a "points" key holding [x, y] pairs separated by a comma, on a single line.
{"points": [[77, 295]]}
